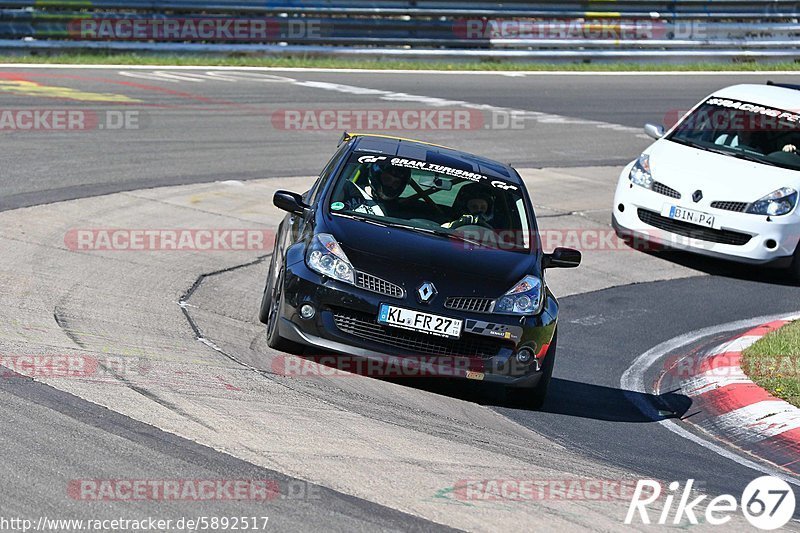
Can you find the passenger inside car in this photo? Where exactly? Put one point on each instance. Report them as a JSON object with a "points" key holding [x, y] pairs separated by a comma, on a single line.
{"points": [[481, 208], [474, 205], [744, 139]]}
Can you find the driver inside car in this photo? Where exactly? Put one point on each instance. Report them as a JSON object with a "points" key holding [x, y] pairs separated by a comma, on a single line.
{"points": [[380, 197], [791, 143], [476, 201], [754, 141]]}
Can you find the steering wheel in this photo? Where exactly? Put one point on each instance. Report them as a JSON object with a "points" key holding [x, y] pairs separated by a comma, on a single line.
{"points": [[478, 232], [481, 224], [474, 227], [424, 222]]}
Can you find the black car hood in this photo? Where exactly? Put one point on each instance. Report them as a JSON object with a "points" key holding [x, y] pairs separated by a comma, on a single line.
{"points": [[394, 253]]}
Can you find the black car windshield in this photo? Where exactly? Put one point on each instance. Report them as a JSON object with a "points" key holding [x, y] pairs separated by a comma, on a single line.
{"points": [[745, 130], [435, 199]]}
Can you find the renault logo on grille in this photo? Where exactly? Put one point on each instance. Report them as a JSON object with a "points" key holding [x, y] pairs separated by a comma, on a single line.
{"points": [[697, 196], [426, 292]]}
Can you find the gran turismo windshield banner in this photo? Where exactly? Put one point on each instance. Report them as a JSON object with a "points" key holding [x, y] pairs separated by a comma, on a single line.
{"points": [[439, 169]]}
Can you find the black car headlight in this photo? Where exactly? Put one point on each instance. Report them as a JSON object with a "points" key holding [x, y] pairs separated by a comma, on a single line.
{"points": [[775, 203], [326, 257], [524, 298], [640, 173]]}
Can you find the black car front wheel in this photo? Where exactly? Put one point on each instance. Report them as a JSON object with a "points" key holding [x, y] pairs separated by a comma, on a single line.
{"points": [[794, 269], [533, 398], [269, 313], [266, 298]]}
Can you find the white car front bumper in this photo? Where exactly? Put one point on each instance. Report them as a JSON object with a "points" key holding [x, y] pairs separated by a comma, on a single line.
{"points": [[742, 237]]}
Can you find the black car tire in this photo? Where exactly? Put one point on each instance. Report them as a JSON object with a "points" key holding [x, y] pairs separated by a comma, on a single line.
{"points": [[533, 398], [794, 268], [266, 298], [268, 314]]}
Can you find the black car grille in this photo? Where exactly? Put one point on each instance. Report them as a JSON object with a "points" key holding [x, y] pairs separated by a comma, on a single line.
{"points": [[739, 207], [365, 326], [478, 305], [695, 232], [660, 188], [376, 284]]}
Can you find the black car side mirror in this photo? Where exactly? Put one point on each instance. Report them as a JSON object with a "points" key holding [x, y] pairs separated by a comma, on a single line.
{"points": [[290, 202], [562, 258]]}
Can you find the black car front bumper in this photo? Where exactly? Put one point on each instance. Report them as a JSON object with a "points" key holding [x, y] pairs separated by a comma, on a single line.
{"points": [[345, 322]]}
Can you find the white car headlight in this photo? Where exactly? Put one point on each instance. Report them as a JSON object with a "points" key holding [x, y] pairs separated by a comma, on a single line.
{"points": [[524, 298], [326, 257], [775, 203], [640, 173]]}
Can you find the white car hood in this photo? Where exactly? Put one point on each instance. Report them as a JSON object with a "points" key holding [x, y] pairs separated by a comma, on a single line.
{"points": [[719, 177]]}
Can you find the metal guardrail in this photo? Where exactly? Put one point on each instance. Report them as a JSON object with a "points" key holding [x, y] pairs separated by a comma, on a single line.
{"points": [[452, 8], [513, 29]]}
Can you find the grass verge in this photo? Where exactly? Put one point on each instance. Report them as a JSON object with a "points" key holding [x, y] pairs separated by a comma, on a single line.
{"points": [[774, 362], [322, 62]]}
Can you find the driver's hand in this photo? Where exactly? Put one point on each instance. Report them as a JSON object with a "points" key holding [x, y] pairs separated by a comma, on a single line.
{"points": [[467, 220], [790, 148], [464, 220]]}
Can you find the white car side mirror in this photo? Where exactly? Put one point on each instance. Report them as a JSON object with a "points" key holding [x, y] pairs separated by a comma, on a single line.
{"points": [[654, 131]]}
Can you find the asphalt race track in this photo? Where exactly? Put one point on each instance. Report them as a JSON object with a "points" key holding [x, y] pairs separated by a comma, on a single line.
{"points": [[199, 131], [375, 454]]}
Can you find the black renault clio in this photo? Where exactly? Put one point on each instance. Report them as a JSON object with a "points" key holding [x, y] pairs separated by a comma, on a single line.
{"points": [[404, 249]]}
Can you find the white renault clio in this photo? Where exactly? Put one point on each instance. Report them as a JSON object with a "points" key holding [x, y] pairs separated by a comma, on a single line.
{"points": [[723, 181]]}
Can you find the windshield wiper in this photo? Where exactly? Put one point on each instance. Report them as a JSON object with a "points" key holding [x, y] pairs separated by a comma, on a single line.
{"points": [[687, 142], [362, 219], [429, 231], [750, 157], [439, 233], [735, 152]]}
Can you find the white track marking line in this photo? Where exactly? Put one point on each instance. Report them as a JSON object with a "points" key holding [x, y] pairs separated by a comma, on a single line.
{"points": [[537, 116], [506, 73], [209, 75], [769, 417], [738, 344], [713, 379], [633, 380], [161, 76], [159, 73]]}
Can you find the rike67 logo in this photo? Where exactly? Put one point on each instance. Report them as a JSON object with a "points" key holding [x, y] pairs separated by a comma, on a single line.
{"points": [[767, 503]]}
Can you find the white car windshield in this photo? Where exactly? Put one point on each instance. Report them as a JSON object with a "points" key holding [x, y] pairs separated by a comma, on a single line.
{"points": [[432, 198], [755, 132]]}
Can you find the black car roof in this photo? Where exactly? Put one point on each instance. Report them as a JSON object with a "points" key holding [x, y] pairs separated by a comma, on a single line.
{"points": [[440, 155]]}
